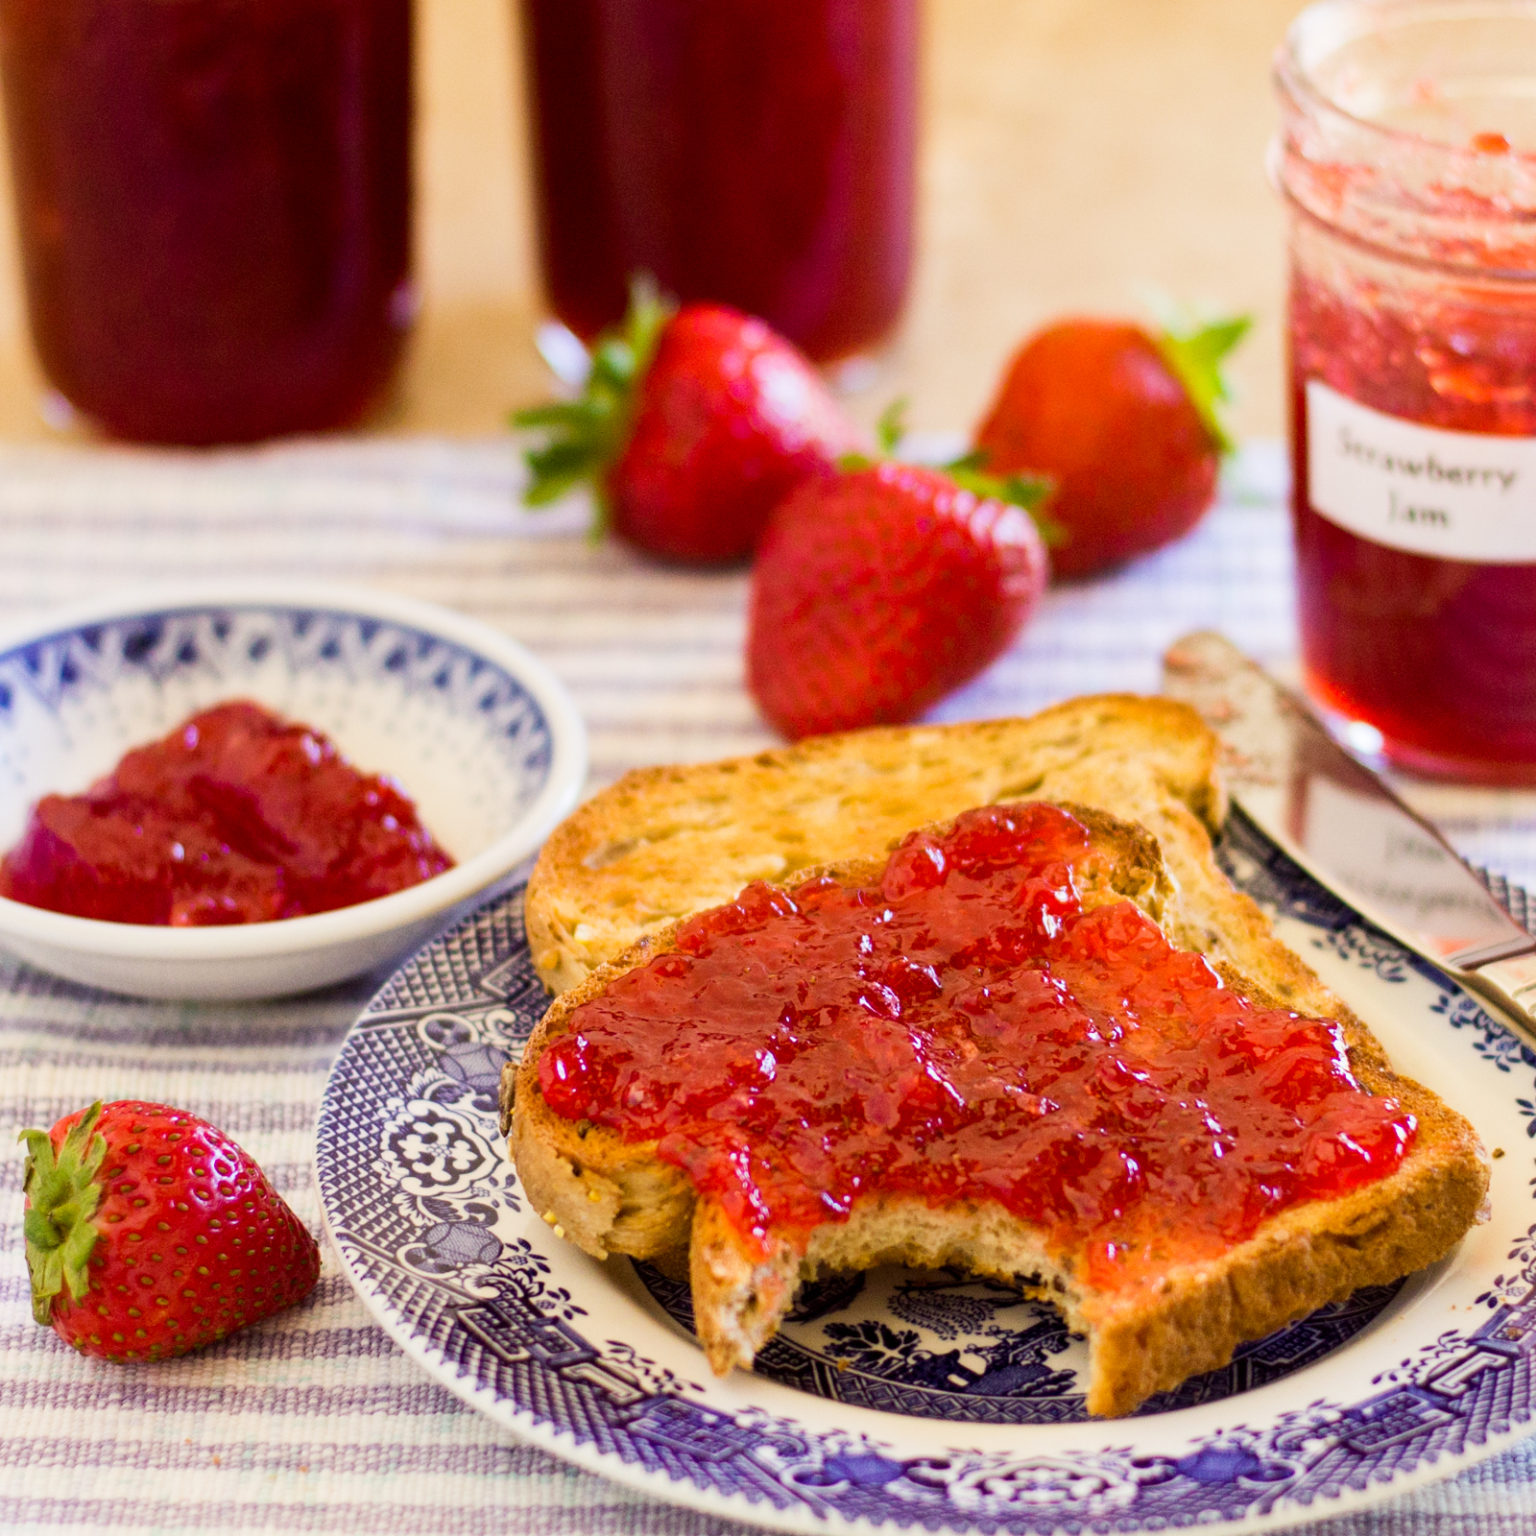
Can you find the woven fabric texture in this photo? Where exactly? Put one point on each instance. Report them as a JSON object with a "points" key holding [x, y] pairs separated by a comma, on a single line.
{"points": [[315, 1422]]}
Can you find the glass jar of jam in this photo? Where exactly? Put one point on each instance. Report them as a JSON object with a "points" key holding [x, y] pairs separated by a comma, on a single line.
{"points": [[213, 199], [1407, 156], [755, 152]]}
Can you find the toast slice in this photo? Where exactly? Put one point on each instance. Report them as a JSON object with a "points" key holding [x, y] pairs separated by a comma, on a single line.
{"points": [[663, 842], [1185, 1297]]}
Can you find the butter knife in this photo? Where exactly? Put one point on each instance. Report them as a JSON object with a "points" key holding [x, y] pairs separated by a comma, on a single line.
{"points": [[1344, 825]]}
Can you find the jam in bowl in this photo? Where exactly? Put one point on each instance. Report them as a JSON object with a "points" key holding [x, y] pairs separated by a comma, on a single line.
{"points": [[482, 733]]}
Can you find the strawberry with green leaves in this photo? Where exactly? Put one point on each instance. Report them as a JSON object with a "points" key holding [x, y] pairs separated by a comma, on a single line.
{"points": [[880, 590], [150, 1233], [1125, 421], [693, 424]]}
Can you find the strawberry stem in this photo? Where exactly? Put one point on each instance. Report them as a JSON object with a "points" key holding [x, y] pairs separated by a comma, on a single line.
{"points": [[582, 437], [62, 1195], [1196, 356], [892, 426], [969, 472], [1031, 492]]}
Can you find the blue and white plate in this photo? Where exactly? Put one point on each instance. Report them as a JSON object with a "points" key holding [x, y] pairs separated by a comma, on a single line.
{"points": [[477, 730], [907, 1401]]}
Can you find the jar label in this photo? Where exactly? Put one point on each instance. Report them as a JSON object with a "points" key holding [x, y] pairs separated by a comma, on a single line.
{"points": [[1456, 495]]}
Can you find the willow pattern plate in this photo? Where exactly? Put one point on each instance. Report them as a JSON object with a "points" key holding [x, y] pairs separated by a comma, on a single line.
{"points": [[908, 1401]]}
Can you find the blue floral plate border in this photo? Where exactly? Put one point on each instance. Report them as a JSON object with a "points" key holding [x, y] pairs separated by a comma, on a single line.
{"points": [[921, 1401]]}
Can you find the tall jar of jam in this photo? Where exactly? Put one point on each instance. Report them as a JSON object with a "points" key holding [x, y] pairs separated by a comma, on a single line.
{"points": [[1407, 156], [755, 152], [213, 199]]}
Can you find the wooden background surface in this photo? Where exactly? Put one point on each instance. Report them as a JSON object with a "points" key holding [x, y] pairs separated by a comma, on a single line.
{"points": [[1078, 155]]}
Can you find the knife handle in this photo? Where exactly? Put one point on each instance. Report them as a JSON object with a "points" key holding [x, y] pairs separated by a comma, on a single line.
{"points": [[1509, 984]]}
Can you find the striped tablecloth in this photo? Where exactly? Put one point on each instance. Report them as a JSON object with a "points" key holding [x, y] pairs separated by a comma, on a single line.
{"points": [[314, 1421]]}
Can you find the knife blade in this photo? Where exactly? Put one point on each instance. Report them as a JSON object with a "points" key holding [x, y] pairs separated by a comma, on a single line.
{"points": [[1346, 826]]}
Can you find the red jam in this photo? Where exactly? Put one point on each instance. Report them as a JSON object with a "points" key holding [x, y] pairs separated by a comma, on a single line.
{"points": [[967, 1028], [213, 205], [235, 817], [1406, 156], [756, 153], [1435, 652]]}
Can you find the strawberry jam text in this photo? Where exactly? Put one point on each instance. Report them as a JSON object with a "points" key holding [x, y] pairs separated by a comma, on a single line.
{"points": [[1437, 652]]}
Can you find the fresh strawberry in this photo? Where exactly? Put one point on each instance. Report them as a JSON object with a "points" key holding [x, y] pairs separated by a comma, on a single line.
{"points": [[876, 593], [692, 426], [149, 1233], [1126, 424]]}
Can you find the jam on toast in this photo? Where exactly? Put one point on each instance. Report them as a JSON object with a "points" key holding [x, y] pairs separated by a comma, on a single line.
{"points": [[1006, 1047], [663, 842]]}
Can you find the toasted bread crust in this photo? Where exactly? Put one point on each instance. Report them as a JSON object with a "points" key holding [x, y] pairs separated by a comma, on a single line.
{"points": [[1140, 1344], [609, 1196], [664, 842]]}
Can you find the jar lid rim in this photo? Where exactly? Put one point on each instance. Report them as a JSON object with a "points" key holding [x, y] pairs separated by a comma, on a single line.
{"points": [[1326, 26]]}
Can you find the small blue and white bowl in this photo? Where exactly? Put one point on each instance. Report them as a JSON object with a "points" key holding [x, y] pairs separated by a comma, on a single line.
{"points": [[479, 732]]}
